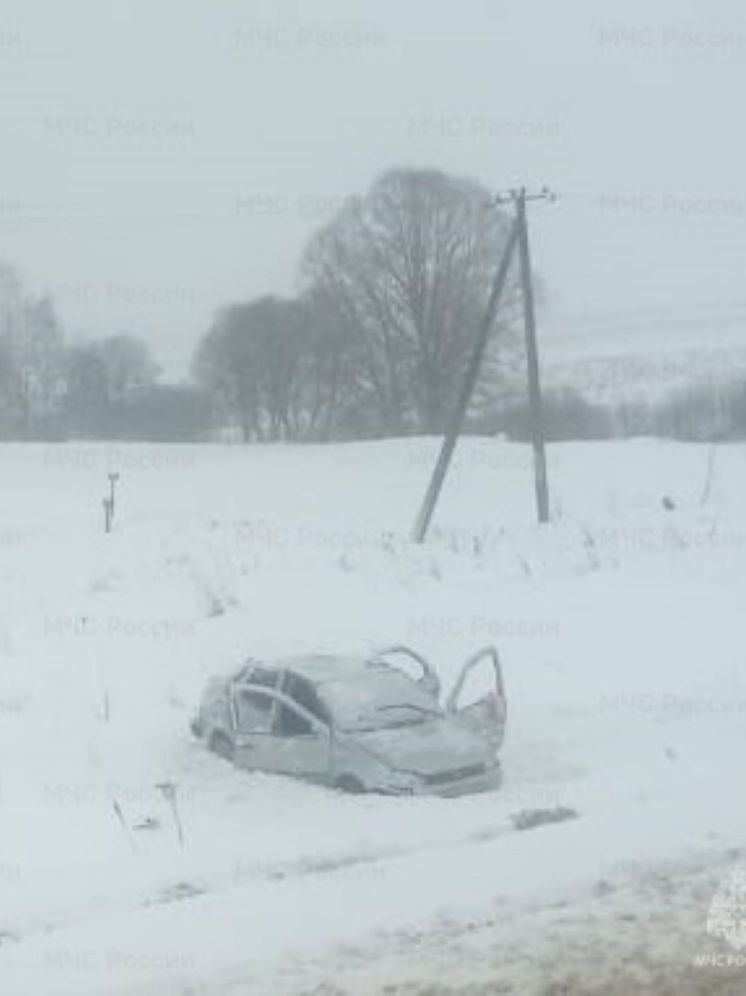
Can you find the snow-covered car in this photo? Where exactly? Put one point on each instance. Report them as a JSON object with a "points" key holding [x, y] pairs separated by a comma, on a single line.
{"points": [[359, 724]]}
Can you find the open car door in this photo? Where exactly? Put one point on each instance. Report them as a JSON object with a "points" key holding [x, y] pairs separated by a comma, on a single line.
{"points": [[487, 714], [425, 676]]}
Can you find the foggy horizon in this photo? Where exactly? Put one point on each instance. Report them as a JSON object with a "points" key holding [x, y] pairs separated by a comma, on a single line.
{"points": [[160, 163]]}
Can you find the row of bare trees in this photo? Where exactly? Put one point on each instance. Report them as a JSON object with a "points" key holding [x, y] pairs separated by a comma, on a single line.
{"points": [[392, 289], [51, 389]]}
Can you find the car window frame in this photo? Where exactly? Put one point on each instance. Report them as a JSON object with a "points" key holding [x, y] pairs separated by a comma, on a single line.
{"points": [[327, 720], [284, 701], [262, 690]]}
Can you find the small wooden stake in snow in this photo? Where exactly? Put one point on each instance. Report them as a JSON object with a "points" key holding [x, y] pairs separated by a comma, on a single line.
{"points": [[113, 478], [108, 514], [705, 496], [169, 794], [120, 816]]}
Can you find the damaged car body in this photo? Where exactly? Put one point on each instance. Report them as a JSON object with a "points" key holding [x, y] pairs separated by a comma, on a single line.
{"points": [[359, 724]]}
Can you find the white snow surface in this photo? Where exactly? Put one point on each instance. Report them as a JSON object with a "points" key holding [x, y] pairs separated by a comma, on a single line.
{"points": [[621, 629]]}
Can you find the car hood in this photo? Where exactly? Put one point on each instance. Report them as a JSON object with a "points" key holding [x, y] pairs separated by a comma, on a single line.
{"points": [[426, 748]]}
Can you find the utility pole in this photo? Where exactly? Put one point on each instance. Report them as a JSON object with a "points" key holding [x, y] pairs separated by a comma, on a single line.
{"points": [[517, 238], [475, 362], [519, 198]]}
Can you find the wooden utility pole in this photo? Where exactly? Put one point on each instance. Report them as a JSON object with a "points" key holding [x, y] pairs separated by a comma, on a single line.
{"points": [[462, 403], [541, 484], [518, 236]]}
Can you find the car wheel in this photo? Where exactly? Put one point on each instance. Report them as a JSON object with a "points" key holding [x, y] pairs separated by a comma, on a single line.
{"points": [[349, 784], [221, 745]]}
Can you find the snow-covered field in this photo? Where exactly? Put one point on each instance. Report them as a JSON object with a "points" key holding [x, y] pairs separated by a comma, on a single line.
{"points": [[621, 631]]}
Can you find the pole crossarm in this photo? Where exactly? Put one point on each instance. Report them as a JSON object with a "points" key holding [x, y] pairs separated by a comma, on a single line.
{"points": [[515, 194]]}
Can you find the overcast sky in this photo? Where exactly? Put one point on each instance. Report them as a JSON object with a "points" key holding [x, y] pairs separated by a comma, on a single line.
{"points": [[161, 158]]}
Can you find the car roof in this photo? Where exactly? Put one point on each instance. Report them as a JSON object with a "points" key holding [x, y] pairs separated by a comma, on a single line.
{"points": [[322, 668]]}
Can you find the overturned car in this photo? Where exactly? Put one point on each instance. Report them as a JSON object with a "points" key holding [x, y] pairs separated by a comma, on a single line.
{"points": [[359, 724]]}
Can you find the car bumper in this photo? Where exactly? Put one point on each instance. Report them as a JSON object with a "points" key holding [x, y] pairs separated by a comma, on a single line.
{"points": [[485, 781]]}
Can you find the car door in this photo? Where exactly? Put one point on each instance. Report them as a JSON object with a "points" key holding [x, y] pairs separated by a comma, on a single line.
{"points": [[275, 732], [487, 713], [253, 709], [300, 743]]}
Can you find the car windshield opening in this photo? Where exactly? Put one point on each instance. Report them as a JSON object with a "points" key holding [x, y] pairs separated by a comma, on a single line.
{"points": [[379, 700]]}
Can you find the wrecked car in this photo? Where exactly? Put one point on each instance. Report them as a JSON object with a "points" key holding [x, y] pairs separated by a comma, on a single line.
{"points": [[359, 724]]}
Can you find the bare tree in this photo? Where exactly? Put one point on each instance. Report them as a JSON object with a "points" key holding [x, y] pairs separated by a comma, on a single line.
{"points": [[225, 366], [329, 372], [31, 358], [408, 269], [104, 378], [253, 364], [127, 364]]}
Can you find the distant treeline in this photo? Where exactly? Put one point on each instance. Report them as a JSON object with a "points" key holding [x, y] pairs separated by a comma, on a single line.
{"points": [[391, 291], [703, 412], [105, 389]]}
